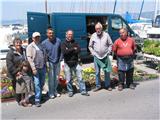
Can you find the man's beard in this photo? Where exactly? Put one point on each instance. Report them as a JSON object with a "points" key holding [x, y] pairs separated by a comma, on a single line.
{"points": [[99, 33]]}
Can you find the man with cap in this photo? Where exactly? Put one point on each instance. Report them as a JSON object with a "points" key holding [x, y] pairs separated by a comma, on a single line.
{"points": [[35, 56]]}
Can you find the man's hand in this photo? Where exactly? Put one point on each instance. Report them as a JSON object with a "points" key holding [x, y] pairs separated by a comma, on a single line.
{"points": [[19, 75], [34, 72], [75, 48]]}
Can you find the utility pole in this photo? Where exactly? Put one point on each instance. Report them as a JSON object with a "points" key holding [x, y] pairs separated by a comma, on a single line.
{"points": [[46, 6]]}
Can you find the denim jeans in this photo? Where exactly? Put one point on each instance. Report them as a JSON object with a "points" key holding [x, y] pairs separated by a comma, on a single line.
{"points": [[68, 75], [54, 69], [43, 77], [126, 75], [106, 76], [38, 81]]}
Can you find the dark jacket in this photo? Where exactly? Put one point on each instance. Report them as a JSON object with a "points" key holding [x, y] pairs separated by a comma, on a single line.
{"points": [[13, 61], [70, 55]]}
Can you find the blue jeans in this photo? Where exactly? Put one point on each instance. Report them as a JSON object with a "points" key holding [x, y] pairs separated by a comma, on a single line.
{"points": [[68, 75], [54, 69], [43, 77], [38, 81], [106, 76]]}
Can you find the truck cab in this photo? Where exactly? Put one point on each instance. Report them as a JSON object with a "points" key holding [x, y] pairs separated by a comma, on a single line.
{"points": [[83, 25], [154, 32]]}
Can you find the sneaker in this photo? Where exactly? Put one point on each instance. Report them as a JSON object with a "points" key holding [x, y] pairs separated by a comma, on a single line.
{"points": [[44, 92], [132, 86], [23, 103], [29, 105], [58, 95], [70, 94], [120, 87], [96, 89], [109, 89], [37, 104], [85, 93], [52, 96]]}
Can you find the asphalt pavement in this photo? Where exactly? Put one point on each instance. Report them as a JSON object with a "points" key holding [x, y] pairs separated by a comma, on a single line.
{"points": [[139, 104]]}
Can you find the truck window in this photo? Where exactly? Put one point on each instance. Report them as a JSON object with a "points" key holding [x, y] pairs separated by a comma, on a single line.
{"points": [[117, 23], [157, 21], [91, 21]]}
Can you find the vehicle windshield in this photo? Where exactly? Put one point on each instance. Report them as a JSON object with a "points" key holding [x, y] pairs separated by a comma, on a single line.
{"points": [[157, 21]]}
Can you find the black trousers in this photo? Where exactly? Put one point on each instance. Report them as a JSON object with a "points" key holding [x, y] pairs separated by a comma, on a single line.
{"points": [[19, 97], [126, 76], [14, 84]]}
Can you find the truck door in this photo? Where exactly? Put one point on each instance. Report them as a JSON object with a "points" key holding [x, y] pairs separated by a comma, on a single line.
{"points": [[62, 22], [37, 22]]}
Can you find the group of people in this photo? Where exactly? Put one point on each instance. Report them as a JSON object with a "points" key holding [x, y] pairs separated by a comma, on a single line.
{"points": [[28, 67]]}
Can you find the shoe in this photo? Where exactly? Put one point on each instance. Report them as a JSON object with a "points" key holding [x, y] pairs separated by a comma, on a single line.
{"points": [[37, 104], [85, 93], [23, 103], [109, 89], [70, 94], [58, 95], [44, 92], [52, 96], [132, 86], [120, 87], [96, 89], [29, 105], [20, 103]]}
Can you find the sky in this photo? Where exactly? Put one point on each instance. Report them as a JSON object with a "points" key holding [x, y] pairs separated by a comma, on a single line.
{"points": [[17, 9]]}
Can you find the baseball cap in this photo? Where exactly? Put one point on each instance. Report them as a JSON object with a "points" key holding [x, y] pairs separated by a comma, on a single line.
{"points": [[36, 34]]}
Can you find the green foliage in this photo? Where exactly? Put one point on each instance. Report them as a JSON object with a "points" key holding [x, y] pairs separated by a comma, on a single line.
{"points": [[152, 47]]}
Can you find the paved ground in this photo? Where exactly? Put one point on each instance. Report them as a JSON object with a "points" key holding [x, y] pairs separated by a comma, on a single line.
{"points": [[139, 104]]}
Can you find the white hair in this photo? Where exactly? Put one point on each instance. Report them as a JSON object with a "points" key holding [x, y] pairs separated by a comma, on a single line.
{"points": [[99, 25]]}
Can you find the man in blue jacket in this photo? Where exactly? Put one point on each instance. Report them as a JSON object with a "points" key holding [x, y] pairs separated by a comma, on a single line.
{"points": [[53, 53]]}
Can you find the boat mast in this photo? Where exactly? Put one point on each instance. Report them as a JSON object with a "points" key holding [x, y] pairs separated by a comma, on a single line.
{"points": [[114, 6], [141, 10], [46, 6], [156, 8]]}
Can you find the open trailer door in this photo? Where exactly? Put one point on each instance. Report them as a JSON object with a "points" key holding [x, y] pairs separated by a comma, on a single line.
{"points": [[38, 22], [76, 22]]}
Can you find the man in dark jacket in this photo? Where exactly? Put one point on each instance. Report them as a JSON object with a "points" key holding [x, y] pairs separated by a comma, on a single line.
{"points": [[71, 51]]}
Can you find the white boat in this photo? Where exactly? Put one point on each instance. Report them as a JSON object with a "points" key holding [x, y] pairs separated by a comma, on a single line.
{"points": [[141, 29], [8, 33]]}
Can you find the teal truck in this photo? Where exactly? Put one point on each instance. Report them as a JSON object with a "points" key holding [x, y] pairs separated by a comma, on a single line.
{"points": [[83, 25]]}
